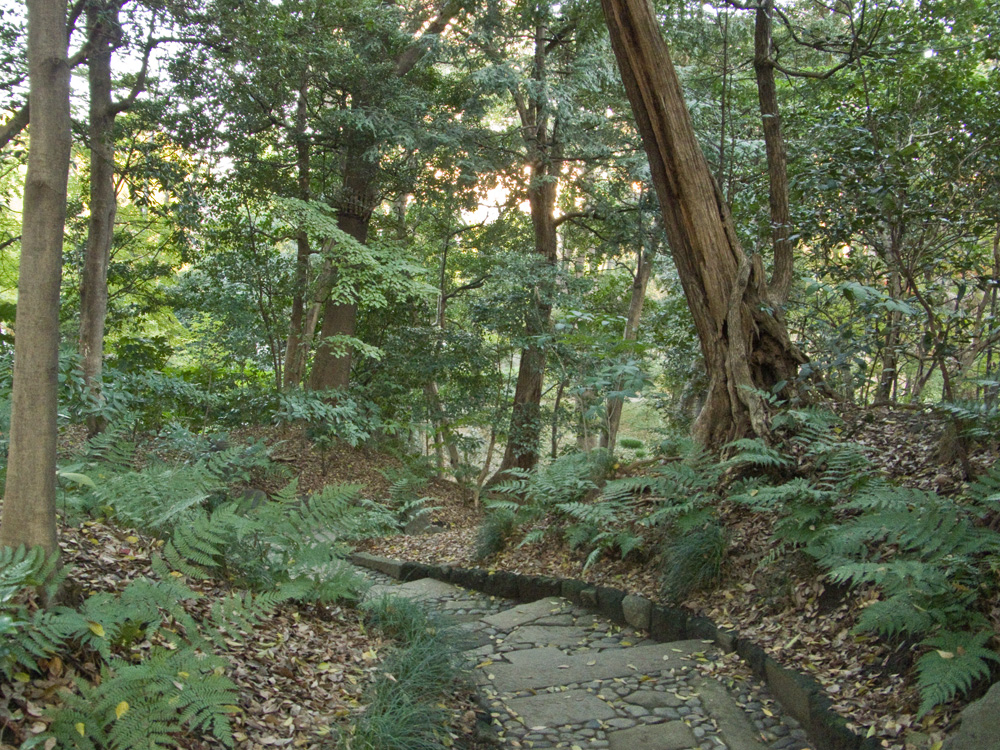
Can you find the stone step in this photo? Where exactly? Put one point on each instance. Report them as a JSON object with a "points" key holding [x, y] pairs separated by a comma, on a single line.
{"points": [[548, 667], [584, 682]]}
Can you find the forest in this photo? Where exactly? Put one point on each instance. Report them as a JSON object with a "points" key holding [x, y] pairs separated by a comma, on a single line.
{"points": [[695, 299]]}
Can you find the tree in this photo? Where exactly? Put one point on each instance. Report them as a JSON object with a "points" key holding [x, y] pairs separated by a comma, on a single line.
{"points": [[29, 497], [359, 190], [744, 341], [104, 36]]}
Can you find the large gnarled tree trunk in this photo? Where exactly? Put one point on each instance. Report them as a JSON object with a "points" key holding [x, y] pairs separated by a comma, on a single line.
{"points": [[745, 345], [29, 498]]}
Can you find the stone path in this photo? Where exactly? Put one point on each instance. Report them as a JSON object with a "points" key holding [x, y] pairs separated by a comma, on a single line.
{"points": [[553, 675]]}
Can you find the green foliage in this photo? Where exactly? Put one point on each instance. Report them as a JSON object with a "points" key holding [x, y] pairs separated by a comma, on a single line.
{"points": [[150, 705], [494, 532], [403, 708], [929, 557], [955, 661], [692, 561], [328, 416]]}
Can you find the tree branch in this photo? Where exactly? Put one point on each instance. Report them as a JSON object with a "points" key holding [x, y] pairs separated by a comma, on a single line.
{"points": [[140, 81], [14, 125]]}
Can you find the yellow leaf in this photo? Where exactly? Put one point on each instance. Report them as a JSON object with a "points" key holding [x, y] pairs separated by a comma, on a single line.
{"points": [[96, 628], [946, 654], [22, 677], [120, 709], [131, 539], [81, 728]]}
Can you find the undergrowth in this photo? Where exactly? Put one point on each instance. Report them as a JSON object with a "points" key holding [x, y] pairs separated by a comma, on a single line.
{"points": [[161, 679], [404, 703], [931, 560]]}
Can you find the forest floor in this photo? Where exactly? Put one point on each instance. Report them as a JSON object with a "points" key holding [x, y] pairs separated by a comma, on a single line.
{"points": [[302, 674], [789, 610]]}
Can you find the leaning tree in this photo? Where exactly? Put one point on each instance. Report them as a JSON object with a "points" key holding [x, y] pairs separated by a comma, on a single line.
{"points": [[743, 336]]}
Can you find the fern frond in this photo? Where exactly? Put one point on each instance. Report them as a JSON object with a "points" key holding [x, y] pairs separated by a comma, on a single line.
{"points": [[755, 452], [957, 660], [894, 615]]}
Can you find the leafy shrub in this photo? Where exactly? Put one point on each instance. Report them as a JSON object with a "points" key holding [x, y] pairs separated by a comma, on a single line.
{"points": [[494, 532], [329, 415], [403, 705], [692, 561], [929, 557]]}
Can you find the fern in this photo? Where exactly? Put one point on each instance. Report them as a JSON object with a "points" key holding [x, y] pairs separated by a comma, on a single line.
{"points": [[957, 660], [692, 561], [150, 705], [984, 493], [196, 547], [755, 452]]}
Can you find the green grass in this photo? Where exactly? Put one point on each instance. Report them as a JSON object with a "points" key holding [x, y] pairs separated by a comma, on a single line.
{"points": [[404, 705]]}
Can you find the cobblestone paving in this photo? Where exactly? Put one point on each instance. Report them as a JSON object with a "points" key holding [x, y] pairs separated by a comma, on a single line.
{"points": [[553, 675]]}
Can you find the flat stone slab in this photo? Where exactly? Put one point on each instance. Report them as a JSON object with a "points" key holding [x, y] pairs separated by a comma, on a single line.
{"points": [[558, 709], [733, 723], [523, 614], [549, 635], [547, 667], [425, 588], [674, 735], [651, 699], [530, 655]]}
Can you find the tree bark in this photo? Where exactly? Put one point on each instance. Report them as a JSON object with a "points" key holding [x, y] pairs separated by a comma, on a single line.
{"points": [[29, 499], [774, 146], [744, 341], [540, 131], [295, 353], [103, 38], [890, 355], [330, 369]]}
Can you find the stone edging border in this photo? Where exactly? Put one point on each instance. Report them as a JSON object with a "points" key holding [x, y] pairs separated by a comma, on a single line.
{"points": [[801, 696]]}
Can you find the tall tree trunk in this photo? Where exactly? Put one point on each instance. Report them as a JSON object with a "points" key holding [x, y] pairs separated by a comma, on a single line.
{"points": [[523, 438], [357, 201], [890, 354], [745, 344], [540, 131], [774, 145], [29, 516], [639, 284], [332, 363], [295, 353], [102, 20], [720, 174]]}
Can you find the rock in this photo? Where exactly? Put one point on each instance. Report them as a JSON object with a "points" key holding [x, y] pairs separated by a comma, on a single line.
{"points": [[637, 610], [417, 524], [978, 727]]}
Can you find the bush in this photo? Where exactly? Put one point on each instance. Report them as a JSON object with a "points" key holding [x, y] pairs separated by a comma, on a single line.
{"points": [[692, 561], [494, 532], [403, 705]]}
